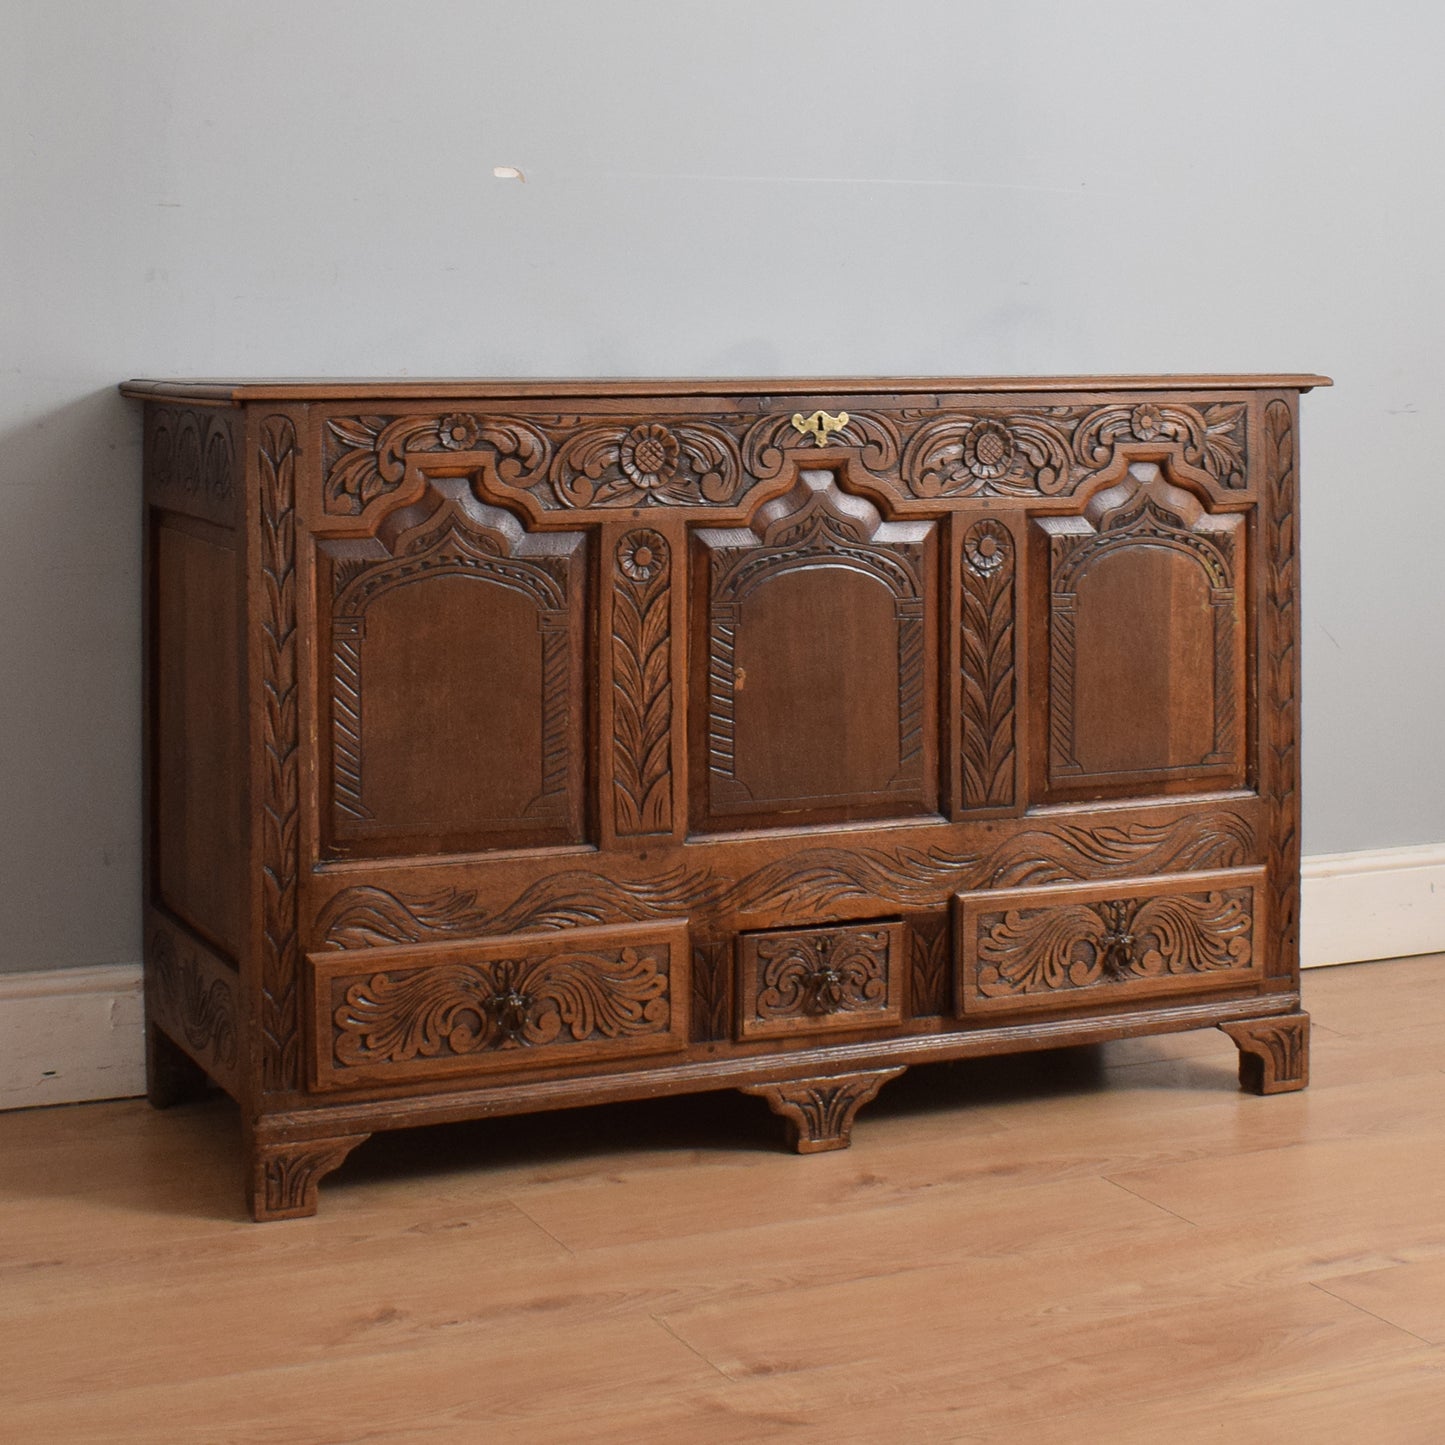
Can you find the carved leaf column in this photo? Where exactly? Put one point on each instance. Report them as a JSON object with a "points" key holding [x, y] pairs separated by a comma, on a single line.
{"points": [[1282, 668], [988, 681], [642, 684], [277, 477]]}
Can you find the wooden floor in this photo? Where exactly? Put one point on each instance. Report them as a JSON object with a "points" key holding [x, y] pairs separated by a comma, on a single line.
{"points": [[1092, 1245]]}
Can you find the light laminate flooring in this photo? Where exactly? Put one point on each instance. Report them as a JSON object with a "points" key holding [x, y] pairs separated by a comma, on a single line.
{"points": [[1104, 1244]]}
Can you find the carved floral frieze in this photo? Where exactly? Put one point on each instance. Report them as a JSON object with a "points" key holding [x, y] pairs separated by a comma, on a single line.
{"points": [[572, 463]]}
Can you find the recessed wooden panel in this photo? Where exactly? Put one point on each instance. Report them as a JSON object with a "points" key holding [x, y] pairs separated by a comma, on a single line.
{"points": [[1144, 622], [503, 1004], [815, 682], [196, 782], [454, 687], [810, 980], [1092, 945]]}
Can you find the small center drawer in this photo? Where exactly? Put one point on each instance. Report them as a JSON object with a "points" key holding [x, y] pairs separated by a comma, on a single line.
{"points": [[807, 980]]}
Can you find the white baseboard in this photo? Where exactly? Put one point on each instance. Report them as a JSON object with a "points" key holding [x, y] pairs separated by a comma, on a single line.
{"points": [[77, 1034], [70, 1035], [1383, 903]]}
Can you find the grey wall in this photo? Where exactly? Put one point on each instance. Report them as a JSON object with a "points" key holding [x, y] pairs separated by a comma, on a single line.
{"points": [[759, 186]]}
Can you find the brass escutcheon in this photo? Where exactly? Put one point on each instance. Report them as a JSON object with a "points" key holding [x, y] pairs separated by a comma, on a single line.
{"points": [[820, 424]]}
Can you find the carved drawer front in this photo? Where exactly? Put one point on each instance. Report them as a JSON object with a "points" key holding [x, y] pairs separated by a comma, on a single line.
{"points": [[1091, 944], [387, 1015], [805, 980]]}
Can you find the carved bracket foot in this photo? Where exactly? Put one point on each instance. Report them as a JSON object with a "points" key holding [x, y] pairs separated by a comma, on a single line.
{"points": [[284, 1177], [172, 1076], [820, 1112], [1274, 1053]]}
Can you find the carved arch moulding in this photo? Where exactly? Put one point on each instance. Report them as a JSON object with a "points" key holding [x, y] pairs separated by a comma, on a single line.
{"points": [[1141, 514], [817, 528], [721, 464], [448, 533]]}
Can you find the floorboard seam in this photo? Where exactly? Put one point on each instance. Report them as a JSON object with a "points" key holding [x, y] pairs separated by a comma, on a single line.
{"points": [[561, 1243], [1192, 1223], [688, 1345], [1315, 1284]]}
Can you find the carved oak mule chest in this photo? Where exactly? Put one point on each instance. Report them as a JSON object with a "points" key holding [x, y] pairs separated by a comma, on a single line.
{"points": [[516, 745]]}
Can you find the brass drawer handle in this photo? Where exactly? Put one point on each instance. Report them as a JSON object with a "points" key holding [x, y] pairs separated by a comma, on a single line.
{"points": [[819, 425]]}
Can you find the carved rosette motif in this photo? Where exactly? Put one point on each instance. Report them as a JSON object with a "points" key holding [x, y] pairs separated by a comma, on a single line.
{"points": [[365, 457], [988, 699], [646, 464], [820, 1112], [277, 477], [642, 688], [1212, 440], [1281, 709], [203, 1008], [1015, 454], [448, 1010], [1058, 947]]}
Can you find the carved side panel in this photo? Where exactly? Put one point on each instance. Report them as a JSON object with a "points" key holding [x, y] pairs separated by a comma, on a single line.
{"points": [[1146, 640], [455, 692], [279, 796], [1281, 684], [192, 462], [642, 685], [506, 1004], [1093, 944], [194, 998], [988, 686], [815, 701], [794, 981]]}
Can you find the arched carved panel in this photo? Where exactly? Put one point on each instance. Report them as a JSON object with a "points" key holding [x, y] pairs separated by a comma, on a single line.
{"points": [[1144, 622], [453, 589], [814, 698]]}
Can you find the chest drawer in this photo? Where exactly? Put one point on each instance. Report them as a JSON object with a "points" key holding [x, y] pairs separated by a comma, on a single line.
{"points": [[384, 1015], [1093, 945]]}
